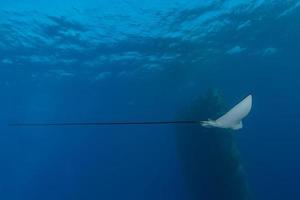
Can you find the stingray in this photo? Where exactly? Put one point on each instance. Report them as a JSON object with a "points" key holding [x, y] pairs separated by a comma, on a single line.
{"points": [[230, 120], [233, 118]]}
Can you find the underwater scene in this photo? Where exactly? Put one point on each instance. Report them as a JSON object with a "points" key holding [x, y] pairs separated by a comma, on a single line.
{"points": [[149, 99]]}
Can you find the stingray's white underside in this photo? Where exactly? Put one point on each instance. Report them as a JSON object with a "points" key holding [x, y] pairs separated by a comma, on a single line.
{"points": [[233, 118]]}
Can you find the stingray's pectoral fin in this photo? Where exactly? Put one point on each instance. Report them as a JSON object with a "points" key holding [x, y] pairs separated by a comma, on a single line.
{"points": [[209, 124]]}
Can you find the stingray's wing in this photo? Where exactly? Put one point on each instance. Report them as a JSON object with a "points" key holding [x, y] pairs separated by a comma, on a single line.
{"points": [[234, 116]]}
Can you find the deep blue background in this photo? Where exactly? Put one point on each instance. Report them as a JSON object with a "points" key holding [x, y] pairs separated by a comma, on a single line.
{"points": [[143, 61]]}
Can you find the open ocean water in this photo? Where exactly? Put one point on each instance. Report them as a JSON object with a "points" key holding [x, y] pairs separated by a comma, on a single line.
{"points": [[149, 60]]}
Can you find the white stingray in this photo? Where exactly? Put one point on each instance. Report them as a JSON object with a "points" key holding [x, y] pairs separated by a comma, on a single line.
{"points": [[233, 118]]}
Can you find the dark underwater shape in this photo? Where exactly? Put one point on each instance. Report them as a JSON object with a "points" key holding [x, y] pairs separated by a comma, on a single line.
{"points": [[210, 158]]}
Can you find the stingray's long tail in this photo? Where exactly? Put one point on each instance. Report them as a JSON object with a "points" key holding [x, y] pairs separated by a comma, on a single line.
{"points": [[106, 123]]}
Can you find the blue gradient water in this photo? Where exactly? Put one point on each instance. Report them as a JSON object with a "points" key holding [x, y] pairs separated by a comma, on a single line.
{"points": [[142, 60]]}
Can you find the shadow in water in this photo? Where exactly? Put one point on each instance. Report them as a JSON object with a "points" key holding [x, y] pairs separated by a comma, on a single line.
{"points": [[210, 158]]}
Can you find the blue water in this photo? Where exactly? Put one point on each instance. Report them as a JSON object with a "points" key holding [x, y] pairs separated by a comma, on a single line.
{"points": [[80, 61]]}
